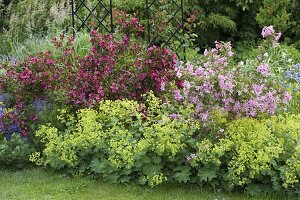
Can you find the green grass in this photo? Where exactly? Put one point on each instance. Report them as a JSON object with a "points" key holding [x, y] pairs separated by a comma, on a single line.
{"points": [[37, 184], [36, 44]]}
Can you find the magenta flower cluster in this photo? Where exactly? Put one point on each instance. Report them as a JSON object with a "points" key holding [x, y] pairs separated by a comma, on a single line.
{"points": [[118, 69], [128, 24], [114, 69], [26, 81]]}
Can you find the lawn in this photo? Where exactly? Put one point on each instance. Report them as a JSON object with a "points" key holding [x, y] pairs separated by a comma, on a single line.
{"points": [[37, 184]]}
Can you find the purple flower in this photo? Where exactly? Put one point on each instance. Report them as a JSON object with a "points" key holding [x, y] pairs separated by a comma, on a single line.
{"points": [[187, 85], [230, 53], [189, 67], [263, 69], [258, 89], [204, 116], [40, 104], [277, 36], [296, 77], [287, 97], [162, 86], [267, 31], [191, 157], [199, 71], [218, 45], [177, 95], [174, 116]]}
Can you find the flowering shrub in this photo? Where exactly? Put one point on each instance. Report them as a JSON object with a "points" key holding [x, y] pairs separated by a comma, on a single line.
{"points": [[117, 69], [130, 25], [25, 81], [214, 84]]}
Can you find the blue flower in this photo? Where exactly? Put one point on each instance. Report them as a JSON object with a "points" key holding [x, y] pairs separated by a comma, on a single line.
{"points": [[1, 113], [10, 128], [40, 104], [288, 74], [13, 129], [8, 136], [4, 97], [10, 59], [297, 77], [287, 85], [297, 66]]}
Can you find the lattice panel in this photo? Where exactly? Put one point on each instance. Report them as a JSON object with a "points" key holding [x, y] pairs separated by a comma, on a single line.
{"points": [[92, 15], [165, 23]]}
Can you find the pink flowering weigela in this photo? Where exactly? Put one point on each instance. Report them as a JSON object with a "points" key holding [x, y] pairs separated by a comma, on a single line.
{"points": [[106, 67]]}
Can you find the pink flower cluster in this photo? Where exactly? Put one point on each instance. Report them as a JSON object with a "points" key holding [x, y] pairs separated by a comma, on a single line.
{"points": [[214, 85], [114, 69], [117, 69], [21, 124], [269, 31], [129, 25], [34, 73], [26, 81], [263, 69]]}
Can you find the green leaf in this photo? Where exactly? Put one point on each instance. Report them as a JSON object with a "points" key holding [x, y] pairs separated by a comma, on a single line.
{"points": [[184, 174], [156, 159], [95, 165], [98, 166], [112, 177], [151, 169], [124, 179], [207, 174], [218, 20], [253, 190]]}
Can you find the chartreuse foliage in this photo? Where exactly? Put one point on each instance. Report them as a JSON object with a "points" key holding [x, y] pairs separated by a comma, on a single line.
{"points": [[120, 141], [124, 141], [259, 155]]}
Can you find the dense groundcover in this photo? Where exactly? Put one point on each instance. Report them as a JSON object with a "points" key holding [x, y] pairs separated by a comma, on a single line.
{"points": [[122, 111]]}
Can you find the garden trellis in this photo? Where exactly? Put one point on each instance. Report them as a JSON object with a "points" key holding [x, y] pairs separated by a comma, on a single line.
{"points": [[99, 15]]}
